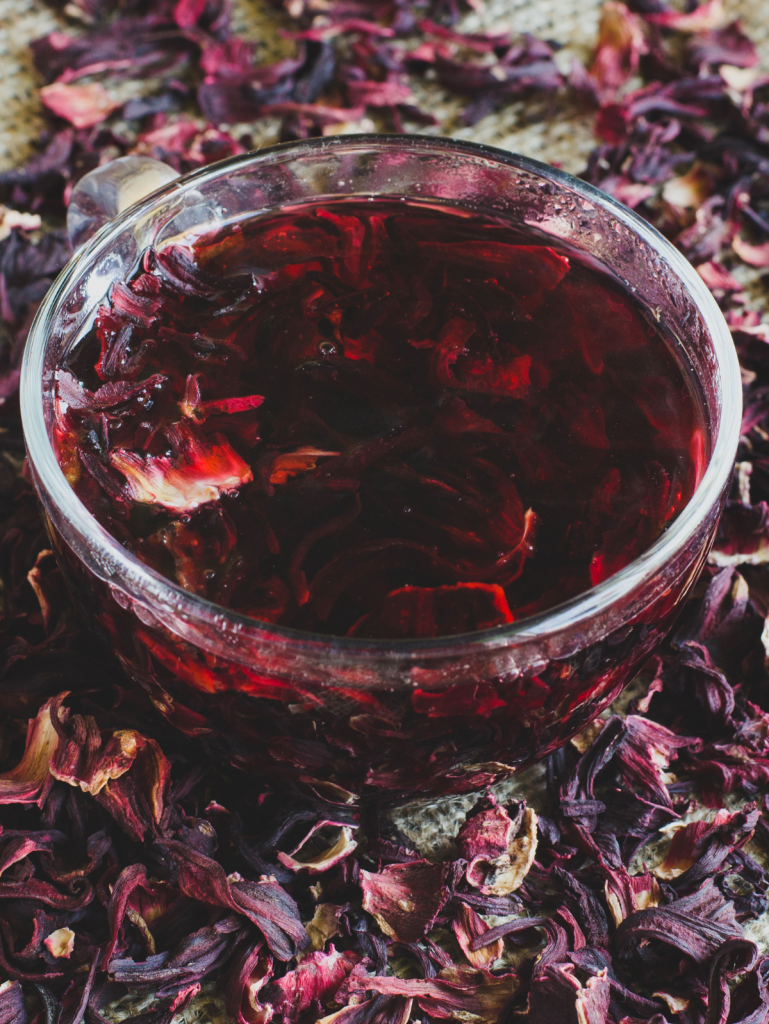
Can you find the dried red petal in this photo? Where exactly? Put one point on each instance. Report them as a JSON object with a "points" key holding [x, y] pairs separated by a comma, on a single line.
{"points": [[249, 974], [82, 105], [621, 44], [499, 850], [314, 981], [405, 898], [468, 926]]}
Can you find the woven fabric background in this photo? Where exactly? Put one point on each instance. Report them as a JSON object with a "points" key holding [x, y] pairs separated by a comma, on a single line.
{"points": [[541, 129]]}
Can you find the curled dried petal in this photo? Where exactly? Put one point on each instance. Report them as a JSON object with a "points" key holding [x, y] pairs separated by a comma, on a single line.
{"points": [[320, 860], [558, 995], [468, 927], [29, 780], [499, 850]]}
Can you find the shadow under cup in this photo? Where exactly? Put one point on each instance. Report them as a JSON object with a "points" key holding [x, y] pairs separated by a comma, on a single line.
{"points": [[346, 717]]}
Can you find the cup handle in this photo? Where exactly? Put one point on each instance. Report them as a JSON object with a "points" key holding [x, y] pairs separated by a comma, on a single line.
{"points": [[106, 191]]}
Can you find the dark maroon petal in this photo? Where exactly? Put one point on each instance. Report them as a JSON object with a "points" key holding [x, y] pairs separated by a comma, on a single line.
{"points": [[250, 972], [695, 925], [47, 894], [129, 879], [558, 995], [644, 748], [735, 958], [264, 903]]}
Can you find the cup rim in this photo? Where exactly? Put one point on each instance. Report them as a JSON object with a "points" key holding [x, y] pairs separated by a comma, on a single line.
{"points": [[51, 482]]}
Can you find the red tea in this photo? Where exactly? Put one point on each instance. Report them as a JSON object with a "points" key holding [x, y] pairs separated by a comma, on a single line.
{"points": [[378, 419]]}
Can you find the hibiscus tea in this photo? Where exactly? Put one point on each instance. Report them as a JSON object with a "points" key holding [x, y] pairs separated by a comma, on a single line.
{"points": [[383, 420], [372, 420]]}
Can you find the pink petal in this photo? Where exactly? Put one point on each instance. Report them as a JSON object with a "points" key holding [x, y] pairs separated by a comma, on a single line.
{"points": [[82, 105]]}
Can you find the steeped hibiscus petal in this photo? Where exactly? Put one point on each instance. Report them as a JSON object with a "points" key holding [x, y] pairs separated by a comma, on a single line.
{"points": [[199, 471], [529, 270], [72, 394], [436, 611], [290, 464]]}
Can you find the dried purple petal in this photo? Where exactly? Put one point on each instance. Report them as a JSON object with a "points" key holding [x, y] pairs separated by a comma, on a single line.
{"points": [[265, 903], [696, 925], [557, 994], [12, 1005]]}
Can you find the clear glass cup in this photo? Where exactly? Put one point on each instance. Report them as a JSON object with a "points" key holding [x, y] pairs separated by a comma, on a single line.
{"points": [[345, 717]]}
